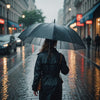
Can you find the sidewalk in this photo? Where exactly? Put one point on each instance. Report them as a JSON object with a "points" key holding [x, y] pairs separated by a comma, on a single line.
{"points": [[91, 55]]}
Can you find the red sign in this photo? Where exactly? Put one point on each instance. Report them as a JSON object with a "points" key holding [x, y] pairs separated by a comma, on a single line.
{"points": [[15, 28], [89, 22], [79, 24], [20, 25], [78, 18], [2, 21]]}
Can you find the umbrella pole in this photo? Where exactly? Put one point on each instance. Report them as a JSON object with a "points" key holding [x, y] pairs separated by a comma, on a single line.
{"points": [[54, 20]]}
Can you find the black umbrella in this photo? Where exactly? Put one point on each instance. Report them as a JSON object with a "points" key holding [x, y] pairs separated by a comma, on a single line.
{"points": [[68, 38]]}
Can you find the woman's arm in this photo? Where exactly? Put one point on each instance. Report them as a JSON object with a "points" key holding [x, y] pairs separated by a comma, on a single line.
{"points": [[64, 67]]}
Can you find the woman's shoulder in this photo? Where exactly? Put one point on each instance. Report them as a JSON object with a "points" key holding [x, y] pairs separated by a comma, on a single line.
{"points": [[41, 53], [61, 55]]}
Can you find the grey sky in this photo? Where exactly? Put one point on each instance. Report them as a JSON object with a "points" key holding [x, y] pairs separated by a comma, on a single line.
{"points": [[50, 8]]}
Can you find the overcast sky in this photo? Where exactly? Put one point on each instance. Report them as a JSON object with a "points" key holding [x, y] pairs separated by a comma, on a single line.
{"points": [[49, 8]]}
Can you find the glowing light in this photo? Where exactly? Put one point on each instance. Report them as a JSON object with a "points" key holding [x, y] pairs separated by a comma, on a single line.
{"points": [[5, 45], [15, 28], [73, 25], [72, 67], [98, 23], [20, 25], [32, 48], [8, 6], [23, 16], [89, 22], [2, 21], [23, 57], [79, 24], [5, 80], [70, 9], [78, 18], [99, 19]]}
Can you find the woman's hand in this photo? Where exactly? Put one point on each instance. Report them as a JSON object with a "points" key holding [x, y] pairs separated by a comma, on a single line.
{"points": [[35, 93]]}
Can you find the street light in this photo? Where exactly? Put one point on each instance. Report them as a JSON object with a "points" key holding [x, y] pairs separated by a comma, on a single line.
{"points": [[8, 7], [70, 9], [99, 24], [23, 16]]}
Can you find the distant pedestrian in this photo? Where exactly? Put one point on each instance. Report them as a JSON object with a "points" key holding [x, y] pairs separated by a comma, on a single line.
{"points": [[47, 69], [97, 41], [88, 40]]}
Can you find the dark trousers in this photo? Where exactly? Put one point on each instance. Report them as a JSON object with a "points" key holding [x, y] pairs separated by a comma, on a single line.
{"points": [[97, 46]]}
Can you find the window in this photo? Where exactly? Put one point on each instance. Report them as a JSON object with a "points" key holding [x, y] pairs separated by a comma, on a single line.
{"points": [[85, 6], [90, 3], [0, 10], [3, 11]]}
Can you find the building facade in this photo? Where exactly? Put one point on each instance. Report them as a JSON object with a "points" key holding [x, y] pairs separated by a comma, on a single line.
{"points": [[31, 4], [90, 9], [14, 12], [60, 17], [69, 11]]}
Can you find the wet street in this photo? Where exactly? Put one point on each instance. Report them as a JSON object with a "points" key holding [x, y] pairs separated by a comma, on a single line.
{"points": [[82, 82]]}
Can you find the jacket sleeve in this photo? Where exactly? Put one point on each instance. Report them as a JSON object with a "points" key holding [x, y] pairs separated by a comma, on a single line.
{"points": [[64, 68], [37, 74]]}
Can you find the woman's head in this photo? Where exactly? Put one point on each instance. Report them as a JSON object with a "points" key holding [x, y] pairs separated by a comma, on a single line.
{"points": [[48, 44]]}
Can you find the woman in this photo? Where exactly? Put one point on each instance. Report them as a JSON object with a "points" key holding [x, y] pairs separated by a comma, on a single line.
{"points": [[47, 68]]}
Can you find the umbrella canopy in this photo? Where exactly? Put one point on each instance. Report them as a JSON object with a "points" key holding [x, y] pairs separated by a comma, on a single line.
{"points": [[68, 38]]}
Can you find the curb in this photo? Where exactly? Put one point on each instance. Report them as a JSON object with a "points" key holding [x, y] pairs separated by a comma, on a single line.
{"points": [[89, 60]]}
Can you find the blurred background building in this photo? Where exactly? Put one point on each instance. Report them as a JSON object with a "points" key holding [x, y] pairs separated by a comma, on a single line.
{"points": [[69, 11], [31, 4], [60, 17], [9, 16], [90, 16]]}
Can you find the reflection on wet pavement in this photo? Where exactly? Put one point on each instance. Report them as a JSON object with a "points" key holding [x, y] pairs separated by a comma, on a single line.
{"points": [[83, 77], [82, 82], [72, 64], [4, 90], [32, 48], [23, 57], [97, 58], [92, 55]]}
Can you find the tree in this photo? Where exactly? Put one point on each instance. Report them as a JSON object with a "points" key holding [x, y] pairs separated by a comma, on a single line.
{"points": [[32, 17]]}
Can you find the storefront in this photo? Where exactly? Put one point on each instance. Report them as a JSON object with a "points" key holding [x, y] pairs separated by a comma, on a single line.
{"points": [[91, 22], [2, 21], [98, 25], [97, 21], [88, 28], [13, 27]]}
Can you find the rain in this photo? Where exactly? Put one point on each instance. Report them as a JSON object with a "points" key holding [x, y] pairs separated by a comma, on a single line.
{"points": [[24, 25]]}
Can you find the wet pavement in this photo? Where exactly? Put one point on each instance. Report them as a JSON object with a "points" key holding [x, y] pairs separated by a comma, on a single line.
{"points": [[16, 75], [91, 55]]}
